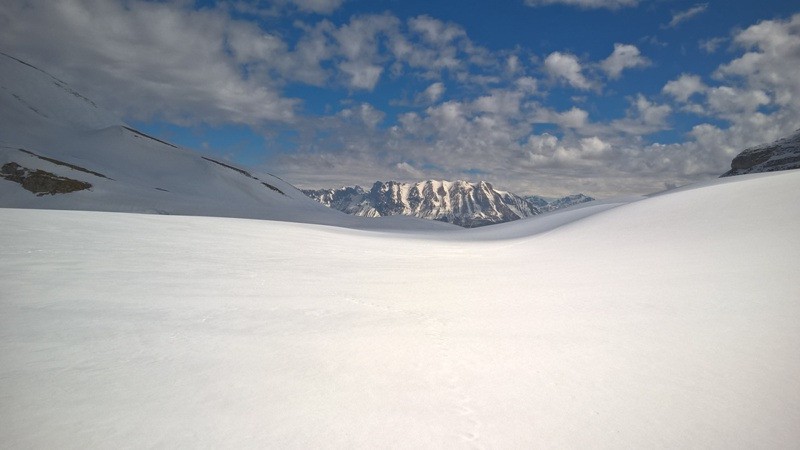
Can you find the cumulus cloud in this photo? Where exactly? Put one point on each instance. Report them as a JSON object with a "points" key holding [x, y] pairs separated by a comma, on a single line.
{"points": [[643, 117], [364, 114], [361, 75], [770, 61], [277, 7], [502, 102], [527, 85], [435, 31], [585, 4], [171, 61], [623, 57], [728, 102], [757, 100], [156, 60], [573, 118], [684, 87], [498, 130], [683, 16], [432, 93], [318, 6], [565, 66], [512, 64], [429, 47]]}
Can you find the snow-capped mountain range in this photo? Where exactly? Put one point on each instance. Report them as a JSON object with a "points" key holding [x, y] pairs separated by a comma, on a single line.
{"points": [[458, 202], [783, 154]]}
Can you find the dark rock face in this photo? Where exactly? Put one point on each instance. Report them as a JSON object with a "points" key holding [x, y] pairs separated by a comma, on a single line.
{"points": [[783, 154], [40, 182], [460, 203], [346, 199]]}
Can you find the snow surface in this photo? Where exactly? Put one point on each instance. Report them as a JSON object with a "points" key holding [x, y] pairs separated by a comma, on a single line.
{"points": [[668, 322]]}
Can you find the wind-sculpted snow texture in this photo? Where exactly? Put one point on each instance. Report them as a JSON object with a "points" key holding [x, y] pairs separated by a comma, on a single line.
{"points": [[459, 202], [666, 322], [783, 154]]}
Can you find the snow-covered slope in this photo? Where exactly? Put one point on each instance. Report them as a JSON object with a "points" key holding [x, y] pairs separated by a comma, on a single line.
{"points": [[54, 143], [669, 322], [783, 154], [459, 202]]}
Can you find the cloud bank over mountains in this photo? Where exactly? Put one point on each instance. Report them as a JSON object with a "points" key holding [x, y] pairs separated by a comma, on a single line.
{"points": [[417, 97]]}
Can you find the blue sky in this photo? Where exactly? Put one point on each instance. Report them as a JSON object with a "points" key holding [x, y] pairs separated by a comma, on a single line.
{"points": [[552, 97]]}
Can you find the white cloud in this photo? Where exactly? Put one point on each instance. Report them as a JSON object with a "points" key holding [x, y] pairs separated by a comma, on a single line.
{"points": [[586, 4], [542, 144], [623, 57], [364, 114], [643, 117], [711, 45], [682, 16], [318, 6], [527, 85], [435, 31], [168, 60], [566, 67], [505, 103], [512, 64], [274, 8], [771, 60], [729, 102], [449, 117], [361, 75], [594, 147], [358, 43], [573, 118], [433, 46], [145, 59], [684, 87], [432, 93]]}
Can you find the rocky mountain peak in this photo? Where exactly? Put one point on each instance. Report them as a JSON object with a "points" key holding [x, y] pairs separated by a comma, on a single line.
{"points": [[783, 154], [464, 203]]}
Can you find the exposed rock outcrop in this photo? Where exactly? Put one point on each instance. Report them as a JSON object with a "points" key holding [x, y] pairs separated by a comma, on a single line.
{"points": [[41, 182], [783, 154]]}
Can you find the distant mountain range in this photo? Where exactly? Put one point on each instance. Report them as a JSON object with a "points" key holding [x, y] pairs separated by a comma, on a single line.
{"points": [[59, 150], [547, 204], [783, 154], [458, 202]]}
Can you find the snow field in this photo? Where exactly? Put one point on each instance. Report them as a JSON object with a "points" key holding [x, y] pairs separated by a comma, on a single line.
{"points": [[667, 322]]}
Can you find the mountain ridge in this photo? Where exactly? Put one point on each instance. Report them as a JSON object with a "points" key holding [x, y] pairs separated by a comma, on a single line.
{"points": [[61, 150], [782, 154], [463, 203]]}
